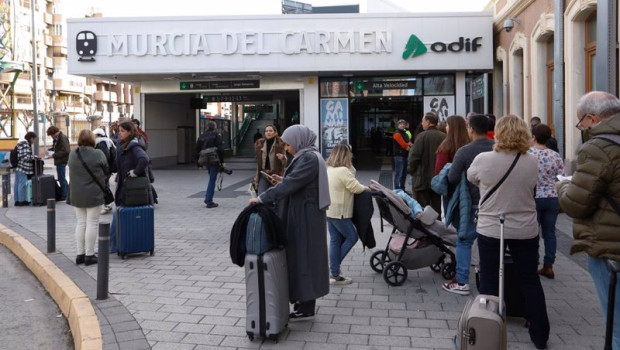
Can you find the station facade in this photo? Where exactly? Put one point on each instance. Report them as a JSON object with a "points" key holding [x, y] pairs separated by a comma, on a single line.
{"points": [[340, 74]]}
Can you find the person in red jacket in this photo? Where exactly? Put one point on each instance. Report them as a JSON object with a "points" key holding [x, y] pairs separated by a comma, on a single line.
{"points": [[401, 145], [456, 138], [142, 133]]}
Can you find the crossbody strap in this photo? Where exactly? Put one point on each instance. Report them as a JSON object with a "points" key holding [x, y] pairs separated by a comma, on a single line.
{"points": [[488, 194], [77, 151]]}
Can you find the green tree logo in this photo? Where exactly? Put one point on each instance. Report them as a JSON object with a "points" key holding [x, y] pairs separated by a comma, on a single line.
{"points": [[414, 47]]}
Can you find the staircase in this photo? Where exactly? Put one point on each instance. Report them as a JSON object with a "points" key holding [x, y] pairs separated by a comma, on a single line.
{"points": [[246, 149]]}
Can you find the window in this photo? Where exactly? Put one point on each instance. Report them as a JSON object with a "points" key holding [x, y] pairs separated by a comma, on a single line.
{"points": [[590, 50], [25, 3], [439, 85], [334, 88], [550, 67]]}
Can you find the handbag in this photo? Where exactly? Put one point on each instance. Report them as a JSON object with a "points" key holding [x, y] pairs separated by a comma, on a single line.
{"points": [[136, 191], [108, 196], [488, 194]]}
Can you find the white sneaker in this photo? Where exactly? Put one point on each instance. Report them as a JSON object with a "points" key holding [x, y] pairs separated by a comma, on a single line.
{"points": [[339, 280], [106, 209], [455, 287]]}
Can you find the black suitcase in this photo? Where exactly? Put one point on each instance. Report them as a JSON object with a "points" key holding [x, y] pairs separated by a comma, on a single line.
{"points": [[43, 188], [513, 297]]}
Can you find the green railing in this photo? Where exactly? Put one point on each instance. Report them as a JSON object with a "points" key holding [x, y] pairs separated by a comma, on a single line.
{"points": [[244, 128]]}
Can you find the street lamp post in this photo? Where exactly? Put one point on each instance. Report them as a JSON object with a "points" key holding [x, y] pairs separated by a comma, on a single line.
{"points": [[34, 80]]}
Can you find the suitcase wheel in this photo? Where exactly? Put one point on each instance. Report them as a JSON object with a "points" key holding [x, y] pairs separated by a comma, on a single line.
{"points": [[273, 337], [378, 260], [395, 273], [250, 335], [448, 270], [152, 252], [122, 256]]}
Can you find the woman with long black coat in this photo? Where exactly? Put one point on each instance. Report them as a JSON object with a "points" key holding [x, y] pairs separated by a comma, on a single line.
{"points": [[301, 198]]}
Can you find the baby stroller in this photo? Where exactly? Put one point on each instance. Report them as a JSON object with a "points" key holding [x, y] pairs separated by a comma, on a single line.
{"points": [[416, 245]]}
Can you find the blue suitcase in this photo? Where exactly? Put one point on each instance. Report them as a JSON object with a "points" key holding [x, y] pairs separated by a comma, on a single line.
{"points": [[29, 191], [135, 230]]}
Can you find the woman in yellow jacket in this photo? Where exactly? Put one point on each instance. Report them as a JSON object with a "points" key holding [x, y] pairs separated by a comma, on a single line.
{"points": [[342, 186]]}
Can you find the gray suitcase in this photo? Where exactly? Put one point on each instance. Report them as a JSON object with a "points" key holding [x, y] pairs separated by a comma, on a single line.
{"points": [[482, 325], [266, 288]]}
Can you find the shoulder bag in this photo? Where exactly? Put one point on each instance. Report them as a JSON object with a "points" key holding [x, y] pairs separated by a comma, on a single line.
{"points": [[488, 194], [108, 196]]}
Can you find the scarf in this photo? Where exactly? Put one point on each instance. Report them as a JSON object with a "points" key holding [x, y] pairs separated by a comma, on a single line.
{"points": [[303, 140]]}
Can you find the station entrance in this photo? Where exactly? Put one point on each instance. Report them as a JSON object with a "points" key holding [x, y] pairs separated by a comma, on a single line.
{"points": [[183, 117]]}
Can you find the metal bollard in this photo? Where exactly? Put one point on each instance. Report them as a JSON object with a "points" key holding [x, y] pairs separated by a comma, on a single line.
{"points": [[51, 225], [103, 263], [6, 189]]}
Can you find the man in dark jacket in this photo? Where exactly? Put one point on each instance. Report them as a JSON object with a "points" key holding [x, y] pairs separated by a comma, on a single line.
{"points": [[61, 150], [477, 130], [211, 138], [589, 198], [421, 162]]}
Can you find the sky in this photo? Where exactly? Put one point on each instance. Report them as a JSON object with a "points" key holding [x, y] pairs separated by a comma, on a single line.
{"points": [[147, 8]]}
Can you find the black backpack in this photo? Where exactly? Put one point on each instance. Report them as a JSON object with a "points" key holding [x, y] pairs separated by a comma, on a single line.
{"points": [[13, 157]]}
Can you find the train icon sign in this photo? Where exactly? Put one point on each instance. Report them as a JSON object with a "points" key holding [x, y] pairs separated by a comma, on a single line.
{"points": [[86, 46]]}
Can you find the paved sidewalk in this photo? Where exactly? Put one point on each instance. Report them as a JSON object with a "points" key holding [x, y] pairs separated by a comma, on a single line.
{"points": [[190, 296]]}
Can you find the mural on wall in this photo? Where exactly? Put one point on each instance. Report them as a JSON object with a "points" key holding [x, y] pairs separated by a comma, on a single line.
{"points": [[442, 105], [6, 44], [334, 123]]}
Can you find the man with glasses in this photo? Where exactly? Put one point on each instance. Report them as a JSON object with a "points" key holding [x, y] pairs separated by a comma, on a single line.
{"points": [[592, 197]]}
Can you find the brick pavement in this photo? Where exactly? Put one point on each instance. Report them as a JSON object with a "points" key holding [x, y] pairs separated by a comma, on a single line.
{"points": [[190, 296]]}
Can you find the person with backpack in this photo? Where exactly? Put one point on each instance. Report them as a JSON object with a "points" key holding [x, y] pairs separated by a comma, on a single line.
{"points": [[209, 139], [592, 197], [109, 150], [22, 160]]}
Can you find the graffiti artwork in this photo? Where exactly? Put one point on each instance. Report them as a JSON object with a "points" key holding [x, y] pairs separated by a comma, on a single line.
{"points": [[334, 123]]}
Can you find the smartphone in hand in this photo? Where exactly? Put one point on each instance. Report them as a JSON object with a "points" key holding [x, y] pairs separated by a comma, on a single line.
{"points": [[267, 176]]}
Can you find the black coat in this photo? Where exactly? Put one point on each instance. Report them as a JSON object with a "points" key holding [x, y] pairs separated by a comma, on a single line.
{"points": [[273, 226], [131, 158], [362, 213]]}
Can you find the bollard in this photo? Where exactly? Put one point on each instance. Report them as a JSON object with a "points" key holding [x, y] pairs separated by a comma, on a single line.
{"points": [[51, 225], [6, 189], [103, 263]]}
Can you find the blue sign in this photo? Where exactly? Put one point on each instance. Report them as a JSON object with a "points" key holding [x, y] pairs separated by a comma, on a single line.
{"points": [[334, 123]]}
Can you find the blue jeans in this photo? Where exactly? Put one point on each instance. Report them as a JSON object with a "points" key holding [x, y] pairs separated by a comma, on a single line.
{"points": [[547, 209], [20, 186], [62, 179], [463, 251], [342, 237], [600, 275], [400, 172], [525, 255], [213, 171]]}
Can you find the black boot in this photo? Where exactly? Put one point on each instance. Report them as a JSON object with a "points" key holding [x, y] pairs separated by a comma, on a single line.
{"points": [[79, 259], [90, 260]]}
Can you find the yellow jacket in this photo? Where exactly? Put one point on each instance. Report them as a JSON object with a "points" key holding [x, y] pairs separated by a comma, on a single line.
{"points": [[342, 186]]}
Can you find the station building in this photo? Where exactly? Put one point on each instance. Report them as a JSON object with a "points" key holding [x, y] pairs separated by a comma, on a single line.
{"points": [[340, 74]]}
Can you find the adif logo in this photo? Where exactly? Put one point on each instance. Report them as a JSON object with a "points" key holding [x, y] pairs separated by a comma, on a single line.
{"points": [[414, 47]]}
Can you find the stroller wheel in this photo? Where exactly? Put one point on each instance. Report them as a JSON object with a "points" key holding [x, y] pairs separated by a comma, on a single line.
{"points": [[378, 260], [448, 271], [395, 273]]}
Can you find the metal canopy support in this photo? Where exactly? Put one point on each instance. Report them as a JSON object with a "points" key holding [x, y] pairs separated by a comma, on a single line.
{"points": [[606, 63], [7, 97], [558, 77]]}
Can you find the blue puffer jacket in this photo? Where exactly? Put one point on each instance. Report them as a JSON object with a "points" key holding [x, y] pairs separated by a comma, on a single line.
{"points": [[462, 199]]}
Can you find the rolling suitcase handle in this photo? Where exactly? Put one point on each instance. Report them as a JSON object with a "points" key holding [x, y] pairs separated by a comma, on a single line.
{"points": [[502, 218], [613, 278]]}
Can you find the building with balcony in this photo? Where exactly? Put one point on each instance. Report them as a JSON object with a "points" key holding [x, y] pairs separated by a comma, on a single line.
{"points": [[70, 102]]}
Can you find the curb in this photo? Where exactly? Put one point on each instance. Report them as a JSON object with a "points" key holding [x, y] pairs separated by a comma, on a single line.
{"points": [[71, 300]]}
